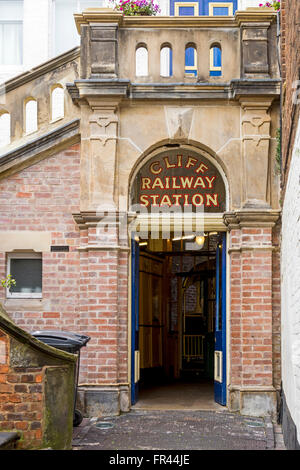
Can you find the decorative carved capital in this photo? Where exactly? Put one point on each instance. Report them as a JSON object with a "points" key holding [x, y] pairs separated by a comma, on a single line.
{"points": [[251, 218]]}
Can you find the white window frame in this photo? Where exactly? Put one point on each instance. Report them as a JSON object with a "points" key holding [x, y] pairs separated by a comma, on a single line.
{"points": [[22, 295], [12, 67], [55, 116], [31, 120], [194, 5]]}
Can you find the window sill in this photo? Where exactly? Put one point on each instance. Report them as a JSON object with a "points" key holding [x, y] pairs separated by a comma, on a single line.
{"points": [[53, 121], [30, 133], [12, 304], [24, 296]]}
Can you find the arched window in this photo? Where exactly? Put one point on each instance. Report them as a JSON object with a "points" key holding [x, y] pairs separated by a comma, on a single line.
{"points": [[215, 61], [166, 67], [4, 128], [57, 103], [141, 61], [190, 61], [31, 124]]}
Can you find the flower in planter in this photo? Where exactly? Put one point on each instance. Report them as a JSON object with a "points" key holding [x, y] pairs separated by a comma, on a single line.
{"points": [[274, 4], [136, 7]]}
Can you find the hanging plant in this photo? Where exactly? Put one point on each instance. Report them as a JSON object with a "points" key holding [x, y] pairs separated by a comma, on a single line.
{"points": [[136, 7], [274, 4]]}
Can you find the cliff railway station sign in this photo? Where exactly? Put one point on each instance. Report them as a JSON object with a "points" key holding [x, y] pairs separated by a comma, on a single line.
{"points": [[179, 178]]}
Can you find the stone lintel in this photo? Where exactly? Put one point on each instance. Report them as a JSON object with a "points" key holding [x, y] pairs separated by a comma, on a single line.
{"points": [[108, 15], [250, 92], [251, 218], [99, 92], [255, 91], [86, 219], [103, 248]]}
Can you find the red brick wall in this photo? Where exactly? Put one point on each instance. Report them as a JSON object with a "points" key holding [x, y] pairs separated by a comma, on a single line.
{"points": [[83, 291], [276, 305], [104, 307], [21, 399], [252, 314], [43, 198]]}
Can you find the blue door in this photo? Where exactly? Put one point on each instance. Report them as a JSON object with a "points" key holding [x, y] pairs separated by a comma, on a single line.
{"points": [[135, 366], [220, 326]]}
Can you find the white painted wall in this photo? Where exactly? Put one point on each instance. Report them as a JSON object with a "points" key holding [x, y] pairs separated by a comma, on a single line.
{"points": [[243, 4], [36, 32], [290, 287], [36, 37]]}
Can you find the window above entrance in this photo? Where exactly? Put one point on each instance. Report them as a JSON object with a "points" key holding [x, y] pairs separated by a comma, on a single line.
{"points": [[203, 8]]}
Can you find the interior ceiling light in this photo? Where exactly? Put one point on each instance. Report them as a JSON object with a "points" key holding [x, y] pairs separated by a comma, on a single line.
{"points": [[187, 237], [200, 241], [143, 243]]}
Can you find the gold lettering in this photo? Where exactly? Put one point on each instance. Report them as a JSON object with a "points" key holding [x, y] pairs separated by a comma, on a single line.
{"points": [[157, 182], [146, 182], [210, 180], [165, 200], [186, 181], [199, 182], [153, 170], [144, 200], [201, 168], [168, 164], [191, 162], [213, 199], [200, 202]]}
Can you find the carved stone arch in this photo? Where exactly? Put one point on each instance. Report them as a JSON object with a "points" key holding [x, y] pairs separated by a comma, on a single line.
{"points": [[211, 178]]}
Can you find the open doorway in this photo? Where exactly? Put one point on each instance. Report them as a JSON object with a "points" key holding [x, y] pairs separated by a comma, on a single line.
{"points": [[179, 301]]}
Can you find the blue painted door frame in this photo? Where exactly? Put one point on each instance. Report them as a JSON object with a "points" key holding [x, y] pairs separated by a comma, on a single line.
{"points": [[134, 317], [203, 7], [220, 327]]}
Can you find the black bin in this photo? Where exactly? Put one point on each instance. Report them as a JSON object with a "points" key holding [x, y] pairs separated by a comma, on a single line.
{"points": [[69, 342]]}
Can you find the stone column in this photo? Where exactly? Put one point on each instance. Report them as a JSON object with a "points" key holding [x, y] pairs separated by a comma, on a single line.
{"points": [[104, 388], [251, 384], [256, 123]]}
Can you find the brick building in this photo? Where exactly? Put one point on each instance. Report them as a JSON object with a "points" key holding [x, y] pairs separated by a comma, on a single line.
{"points": [[168, 112], [290, 254]]}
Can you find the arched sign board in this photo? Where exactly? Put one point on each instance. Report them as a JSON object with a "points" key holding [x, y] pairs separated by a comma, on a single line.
{"points": [[179, 177]]}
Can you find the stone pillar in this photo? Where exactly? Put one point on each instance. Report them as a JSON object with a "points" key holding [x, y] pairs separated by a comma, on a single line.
{"points": [[104, 387], [251, 384], [256, 123], [98, 158], [255, 61]]}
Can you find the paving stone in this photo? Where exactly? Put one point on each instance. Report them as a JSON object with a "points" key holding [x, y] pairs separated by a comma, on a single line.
{"points": [[175, 430]]}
